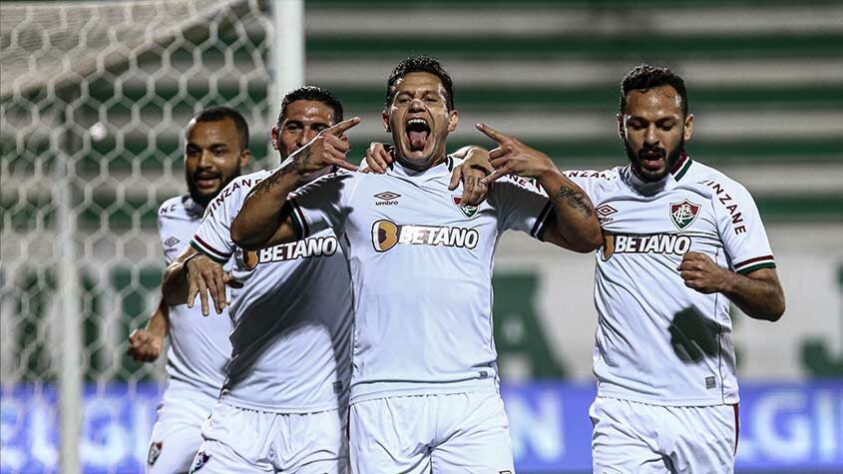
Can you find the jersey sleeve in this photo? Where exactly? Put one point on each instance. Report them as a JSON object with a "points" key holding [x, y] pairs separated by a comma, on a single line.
{"points": [[213, 237], [522, 205], [322, 204], [591, 182], [741, 230]]}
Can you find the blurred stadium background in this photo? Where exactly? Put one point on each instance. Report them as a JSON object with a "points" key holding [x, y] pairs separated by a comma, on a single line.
{"points": [[95, 95]]}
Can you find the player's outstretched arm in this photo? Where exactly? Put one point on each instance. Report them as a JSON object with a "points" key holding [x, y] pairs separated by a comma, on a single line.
{"points": [[574, 222], [759, 294], [145, 344], [264, 220]]}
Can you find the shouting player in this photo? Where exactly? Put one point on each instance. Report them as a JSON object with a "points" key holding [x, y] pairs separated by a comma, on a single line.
{"points": [[283, 406], [217, 146], [682, 241], [424, 392]]}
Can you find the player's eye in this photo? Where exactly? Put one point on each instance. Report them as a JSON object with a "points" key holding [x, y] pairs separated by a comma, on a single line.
{"points": [[431, 100], [191, 151], [319, 128], [219, 151], [403, 100]]}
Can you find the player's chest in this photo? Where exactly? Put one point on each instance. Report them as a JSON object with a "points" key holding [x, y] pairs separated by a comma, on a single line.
{"points": [[422, 217], [665, 226]]}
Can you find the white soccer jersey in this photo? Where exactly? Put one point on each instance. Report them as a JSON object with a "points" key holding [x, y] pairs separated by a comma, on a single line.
{"points": [[292, 317], [421, 268], [199, 346], [657, 340]]}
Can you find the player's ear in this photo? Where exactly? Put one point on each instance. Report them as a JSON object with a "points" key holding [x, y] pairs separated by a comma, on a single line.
{"points": [[689, 126], [453, 120], [275, 134], [245, 156], [621, 130], [385, 117]]}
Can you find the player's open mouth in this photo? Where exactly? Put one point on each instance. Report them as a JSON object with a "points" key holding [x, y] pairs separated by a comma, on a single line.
{"points": [[206, 181], [652, 161], [417, 133]]}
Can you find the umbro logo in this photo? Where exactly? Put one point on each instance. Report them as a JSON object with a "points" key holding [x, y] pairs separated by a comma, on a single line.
{"points": [[387, 198], [603, 213], [171, 242]]}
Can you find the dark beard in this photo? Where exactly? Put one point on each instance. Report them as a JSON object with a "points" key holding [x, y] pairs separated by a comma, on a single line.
{"points": [[205, 200], [672, 159]]}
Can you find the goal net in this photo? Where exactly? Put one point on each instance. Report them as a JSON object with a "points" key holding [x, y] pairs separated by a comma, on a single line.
{"points": [[93, 98]]}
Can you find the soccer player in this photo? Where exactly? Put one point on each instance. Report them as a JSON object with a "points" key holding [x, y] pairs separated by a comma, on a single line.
{"points": [[682, 241], [283, 406], [424, 393], [216, 148]]}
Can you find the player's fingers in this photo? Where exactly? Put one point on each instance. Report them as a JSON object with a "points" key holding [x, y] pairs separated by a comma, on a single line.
{"points": [[497, 153], [219, 282], [375, 165], [343, 164], [501, 162], [492, 133], [192, 289], [456, 176], [494, 176], [388, 154], [203, 296], [340, 144], [342, 127]]}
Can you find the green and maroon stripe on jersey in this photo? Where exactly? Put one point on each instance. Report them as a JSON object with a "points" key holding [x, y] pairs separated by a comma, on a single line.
{"points": [[757, 263], [202, 247]]}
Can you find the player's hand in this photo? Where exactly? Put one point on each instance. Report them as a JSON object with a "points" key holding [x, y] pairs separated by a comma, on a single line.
{"points": [[513, 157], [328, 148], [471, 172], [204, 277], [144, 346], [701, 273], [378, 158]]}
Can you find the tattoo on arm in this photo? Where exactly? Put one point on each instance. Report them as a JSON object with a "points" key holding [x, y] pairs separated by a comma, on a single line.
{"points": [[574, 199]]}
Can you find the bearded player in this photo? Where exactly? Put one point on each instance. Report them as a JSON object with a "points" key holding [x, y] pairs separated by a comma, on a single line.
{"points": [[424, 393], [216, 148], [283, 406], [682, 242]]}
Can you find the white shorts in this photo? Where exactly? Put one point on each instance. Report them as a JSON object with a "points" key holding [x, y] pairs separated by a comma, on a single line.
{"points": [[458, 433], [177, 433], [633, 437], [240, 440]]}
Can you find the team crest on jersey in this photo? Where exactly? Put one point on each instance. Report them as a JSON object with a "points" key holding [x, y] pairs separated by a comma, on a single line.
{"points": [[469, 211], [154, 452], [684, 213], [199, 461]]}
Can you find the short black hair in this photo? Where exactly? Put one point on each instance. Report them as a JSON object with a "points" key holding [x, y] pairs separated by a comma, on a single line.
{"points": [[645, 77], [420, 64], [217, 114], [313, 93]]}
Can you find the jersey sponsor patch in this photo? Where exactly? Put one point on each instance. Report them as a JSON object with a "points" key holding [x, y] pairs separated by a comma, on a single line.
{"points": [[154, 452], [387, 234], [387, 198], [300, 249], [684, 213], [673, 244]]}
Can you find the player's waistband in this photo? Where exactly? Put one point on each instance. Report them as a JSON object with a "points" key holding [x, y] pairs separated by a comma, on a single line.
{"points": [[363, 391]]}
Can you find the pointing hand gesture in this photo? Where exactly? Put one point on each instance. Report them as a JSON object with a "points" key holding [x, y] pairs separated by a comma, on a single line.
{"points": [[513, 157], [326, 149]]}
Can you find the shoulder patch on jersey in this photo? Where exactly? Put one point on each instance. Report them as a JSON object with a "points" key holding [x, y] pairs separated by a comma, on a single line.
{"points": [[154, 452], [684, 213], [199, 461]]}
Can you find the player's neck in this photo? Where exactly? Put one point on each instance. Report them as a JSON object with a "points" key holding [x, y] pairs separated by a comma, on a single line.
{"points": [[423, 166]]}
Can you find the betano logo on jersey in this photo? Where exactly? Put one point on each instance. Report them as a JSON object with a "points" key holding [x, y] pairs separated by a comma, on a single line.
{"points": [[387, 234], [308, 248], [674, 244]]}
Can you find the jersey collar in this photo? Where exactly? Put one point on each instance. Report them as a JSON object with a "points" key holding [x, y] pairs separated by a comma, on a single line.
{"points": [[679, 170]]}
